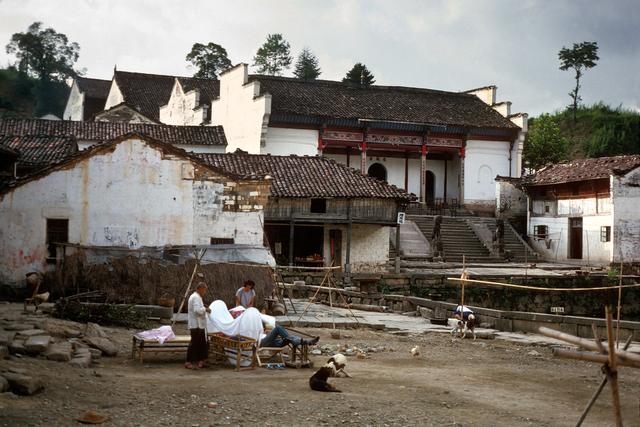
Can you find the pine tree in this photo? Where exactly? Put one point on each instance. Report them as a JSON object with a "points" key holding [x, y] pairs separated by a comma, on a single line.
{"points": [[274, 56], [307, 67], [359, 75]]}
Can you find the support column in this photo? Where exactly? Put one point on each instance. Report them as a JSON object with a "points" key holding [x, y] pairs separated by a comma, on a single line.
{"points": [[406, 172], [445, 180], [397, 260], [363, 157], [423, 172], [291, 234], [347, 259], [320, 142], [462, 156], [348, 157]]}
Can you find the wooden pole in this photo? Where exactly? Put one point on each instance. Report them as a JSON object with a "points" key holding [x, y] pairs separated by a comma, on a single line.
{"points": [[588, 344], [612, 371], [186, 292], [588, 356]]}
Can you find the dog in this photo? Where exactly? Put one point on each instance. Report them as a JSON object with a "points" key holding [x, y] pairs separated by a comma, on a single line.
{"points": [[333, 367], [461, 327]]}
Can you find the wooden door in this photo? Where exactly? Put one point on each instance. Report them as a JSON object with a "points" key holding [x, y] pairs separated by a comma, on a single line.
{"points": [[575, 238], [335, 240]]}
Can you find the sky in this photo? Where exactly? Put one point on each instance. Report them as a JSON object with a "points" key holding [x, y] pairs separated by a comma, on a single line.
{"points": [[445, 45]]}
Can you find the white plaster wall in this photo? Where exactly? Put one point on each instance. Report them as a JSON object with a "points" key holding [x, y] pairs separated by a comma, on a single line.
{"points": [[593, 250], [511, 201], [134, 196], [115, 96], [181, 110], [286, 141], [202, 148], [240, 111], [625, 192], [74, 110], [369, 246], [483, 162]]}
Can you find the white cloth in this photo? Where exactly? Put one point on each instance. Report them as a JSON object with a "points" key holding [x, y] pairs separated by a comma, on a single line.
{"points": [[465, 309], [248, 324], [196, 312], [161, 334]]}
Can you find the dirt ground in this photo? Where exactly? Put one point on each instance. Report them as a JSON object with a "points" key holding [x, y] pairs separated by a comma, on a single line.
{"points": [[461, 383]]}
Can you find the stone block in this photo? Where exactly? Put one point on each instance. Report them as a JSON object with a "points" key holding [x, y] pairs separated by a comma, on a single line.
{"points": [[107, 347], [16, 326], [6, 337], [505, 325], [30, 333], [425, 312], [95, 353], [23, 384], [37, 344], [95, 330], [4, 352], [17, 347], [4, 384], [60, 352]]}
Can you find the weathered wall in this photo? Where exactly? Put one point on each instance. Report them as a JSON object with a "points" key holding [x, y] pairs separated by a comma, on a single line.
{"points": [[241, 111], [182, 108], [132, 196], [369, 246], [483, 162], [511, 201], [625, 192], [74, 110], [115, 96], [285, 141]]}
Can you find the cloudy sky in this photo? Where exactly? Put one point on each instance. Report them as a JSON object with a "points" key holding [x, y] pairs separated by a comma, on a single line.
{"points": [[447, 45]]}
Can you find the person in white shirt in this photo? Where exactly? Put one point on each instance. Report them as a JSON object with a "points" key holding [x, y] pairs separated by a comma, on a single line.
{"points": [[198, 351], [246, 295]]}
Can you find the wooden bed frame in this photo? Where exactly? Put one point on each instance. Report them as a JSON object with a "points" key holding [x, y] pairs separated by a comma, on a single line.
{"points": [[140, 346]]}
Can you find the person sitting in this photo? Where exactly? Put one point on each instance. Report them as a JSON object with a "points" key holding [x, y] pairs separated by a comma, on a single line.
{"points": [[318, 382], [280, 337], [246, 295]]}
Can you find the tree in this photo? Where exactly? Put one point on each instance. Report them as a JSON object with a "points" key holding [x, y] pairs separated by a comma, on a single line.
{"points": [[274, 56], [44, 53], [211, 59], [545, 143], [307, 67], [580, 57], [359, 75]]}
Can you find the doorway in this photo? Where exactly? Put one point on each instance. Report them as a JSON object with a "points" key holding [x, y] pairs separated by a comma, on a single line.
{"points": [[575, 238], [429, 187], [377, 171], [335, 248]]}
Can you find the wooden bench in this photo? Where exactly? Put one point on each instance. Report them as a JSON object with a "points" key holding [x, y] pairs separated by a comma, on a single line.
{"points": [[222, 347], [139, 346]]}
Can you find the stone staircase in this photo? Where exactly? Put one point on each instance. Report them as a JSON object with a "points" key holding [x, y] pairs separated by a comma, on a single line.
{"points": [[458, 239], [520, 252]]}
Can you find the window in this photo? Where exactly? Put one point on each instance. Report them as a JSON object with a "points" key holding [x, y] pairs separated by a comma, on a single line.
{"points": [[547, 208], [221, 241], [540, 231], [605, 233], [318, 205], [57, 232]]}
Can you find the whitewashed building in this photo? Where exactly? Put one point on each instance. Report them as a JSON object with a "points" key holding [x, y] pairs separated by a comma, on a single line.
{"points": [[86, 98], [442, 146], [586, 211], [131, 192]]}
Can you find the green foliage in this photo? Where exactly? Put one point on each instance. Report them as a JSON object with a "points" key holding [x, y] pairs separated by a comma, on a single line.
{"points": [[307, 66], [16, 93], [44, 53], [359, 75], [210, 59], [545, 143], [581, 56], [274, 56], [102, 314]]}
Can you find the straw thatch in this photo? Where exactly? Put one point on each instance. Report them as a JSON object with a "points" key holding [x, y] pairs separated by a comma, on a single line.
{"points": [[141, 279]]}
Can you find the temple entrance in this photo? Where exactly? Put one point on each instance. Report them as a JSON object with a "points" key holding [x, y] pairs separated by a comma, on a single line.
{"points": [[377, 171], [429, 187]]}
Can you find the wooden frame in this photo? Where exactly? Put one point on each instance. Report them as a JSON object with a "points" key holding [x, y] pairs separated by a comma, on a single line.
{"points": [[139, 346], [221, 345]]}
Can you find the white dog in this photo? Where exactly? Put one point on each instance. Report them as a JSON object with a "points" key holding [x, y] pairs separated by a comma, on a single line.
{"points": [[461, 327]]}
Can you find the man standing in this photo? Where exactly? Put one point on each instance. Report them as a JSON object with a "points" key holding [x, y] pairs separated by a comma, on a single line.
{"points": [[198, 351], [246, 296]]}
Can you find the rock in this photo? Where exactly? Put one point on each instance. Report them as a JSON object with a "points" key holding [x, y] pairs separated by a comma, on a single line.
{"points": [[95, 353], [81, 360], [37, 344], [18, 326], [60, 352], [534, 353], [95, 330], [20, 371], [23, 384], [4, 384], [30, 333], [4, 352], [61, 330], [6, 337], [316, 352], [108, 348], [17, 347], [212, 405]]}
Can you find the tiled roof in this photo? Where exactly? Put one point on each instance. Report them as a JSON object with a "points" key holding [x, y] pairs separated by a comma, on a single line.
{"points": [[209, 88], [583, 169], [40, 150], [94, 88], [145, 92], [305, 176], [105, 131], [322, 98]]}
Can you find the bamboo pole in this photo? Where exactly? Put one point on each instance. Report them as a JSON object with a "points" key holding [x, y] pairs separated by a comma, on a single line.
{"points": [[587, 344], [619, 305], [538, 288], [588, 356], [612, 371]]}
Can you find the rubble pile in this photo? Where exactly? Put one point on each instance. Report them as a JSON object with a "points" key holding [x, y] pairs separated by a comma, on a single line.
{"points": [[359, 350], [35, 335]]}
